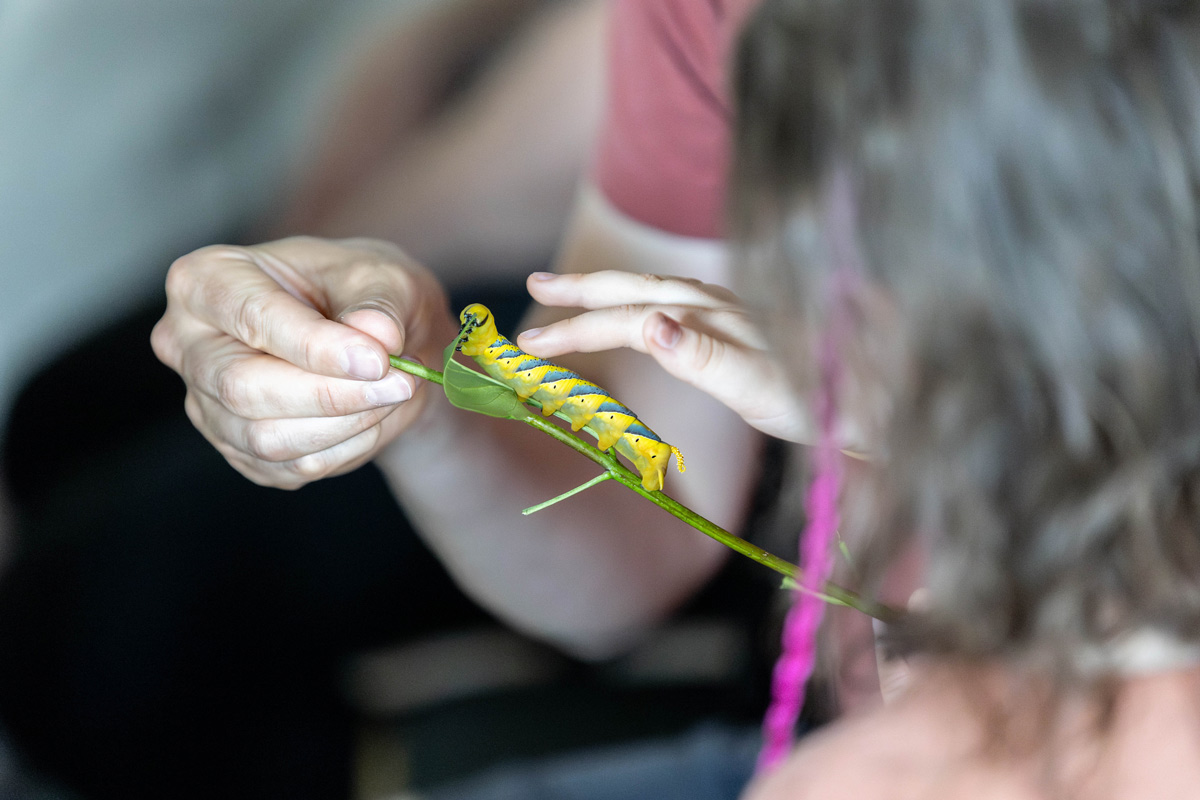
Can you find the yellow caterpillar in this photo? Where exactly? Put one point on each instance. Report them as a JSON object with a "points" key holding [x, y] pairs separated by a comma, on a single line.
{"points": [[559, 389]]}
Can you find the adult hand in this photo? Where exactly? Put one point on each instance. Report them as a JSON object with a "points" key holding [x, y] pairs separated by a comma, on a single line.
{"points": [[284, 349], [698, 332]]}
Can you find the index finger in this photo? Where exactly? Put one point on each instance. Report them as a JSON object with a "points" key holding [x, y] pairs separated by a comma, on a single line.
{"points": [[608, 288], [227, 289]]}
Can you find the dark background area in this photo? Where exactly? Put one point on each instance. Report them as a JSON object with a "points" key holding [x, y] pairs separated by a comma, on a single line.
{"points": [[168, 628]]}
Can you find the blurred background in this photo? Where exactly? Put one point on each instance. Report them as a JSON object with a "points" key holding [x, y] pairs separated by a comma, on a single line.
{"points": [[166, 627]]}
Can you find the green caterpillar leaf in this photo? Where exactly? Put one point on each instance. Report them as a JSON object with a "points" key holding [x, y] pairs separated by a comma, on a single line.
{"points": [[465, 388]]}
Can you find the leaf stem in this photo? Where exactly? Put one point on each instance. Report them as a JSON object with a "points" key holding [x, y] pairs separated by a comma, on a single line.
{"points": [[413, 368], [603, 476]]}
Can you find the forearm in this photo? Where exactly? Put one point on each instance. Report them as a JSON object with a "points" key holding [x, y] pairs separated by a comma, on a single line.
{"points": [[588, 574], [488, 182], [594, 569]]}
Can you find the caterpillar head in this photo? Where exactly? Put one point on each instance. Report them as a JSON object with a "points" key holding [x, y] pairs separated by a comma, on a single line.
{"points": [[478, 329], [650, 457]]}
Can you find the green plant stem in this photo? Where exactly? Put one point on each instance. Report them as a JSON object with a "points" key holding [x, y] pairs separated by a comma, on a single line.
{"points": [[413, 368], [622, 474], [601, 478]]}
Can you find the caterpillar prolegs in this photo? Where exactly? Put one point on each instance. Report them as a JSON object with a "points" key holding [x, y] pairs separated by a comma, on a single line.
{"points": [[560, 390]]}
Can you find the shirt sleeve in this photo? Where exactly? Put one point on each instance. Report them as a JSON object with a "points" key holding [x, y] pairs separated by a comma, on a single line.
{"points": [[663, 150]]}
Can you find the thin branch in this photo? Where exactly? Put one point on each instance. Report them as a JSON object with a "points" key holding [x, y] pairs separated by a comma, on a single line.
{"points": [[603, 476]]}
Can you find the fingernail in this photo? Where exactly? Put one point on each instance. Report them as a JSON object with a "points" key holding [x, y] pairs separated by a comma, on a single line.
{"points": [[361, 307], [532, 333], [667, 333], [361, 362], [542, 276], [395, 388]]}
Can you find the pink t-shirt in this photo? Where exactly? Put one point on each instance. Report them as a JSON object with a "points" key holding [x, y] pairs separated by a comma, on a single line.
{"points": [[663, 151]]}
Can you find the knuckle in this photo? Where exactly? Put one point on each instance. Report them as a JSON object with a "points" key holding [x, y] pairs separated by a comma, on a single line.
{"points": [[728, 319], [230, 388], [182, 276], [248, 469], [629, 312], [704, 355], [340, 457], [287, 484], [309, 468], [265, 442], [570, 330], [311, 352], [258, 472], [191, 407], [328, 401], [723, 294], [179, 278], [363, 273], [270, 479], [248, 319], [271, 476], [162, 342], [372, 437]]}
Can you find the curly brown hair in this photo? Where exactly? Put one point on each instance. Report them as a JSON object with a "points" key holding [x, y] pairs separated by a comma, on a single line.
{"points": [[1023, 176]]}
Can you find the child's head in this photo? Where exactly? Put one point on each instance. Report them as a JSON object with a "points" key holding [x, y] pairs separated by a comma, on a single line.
{"points": [[1008, 189]]}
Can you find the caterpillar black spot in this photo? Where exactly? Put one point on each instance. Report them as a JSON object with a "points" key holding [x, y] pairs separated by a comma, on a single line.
{"points": [[560, 390]]}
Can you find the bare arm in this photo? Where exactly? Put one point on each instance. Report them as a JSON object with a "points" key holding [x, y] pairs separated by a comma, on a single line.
{"points": [[484, 181], [591, 572], [283, 347]]}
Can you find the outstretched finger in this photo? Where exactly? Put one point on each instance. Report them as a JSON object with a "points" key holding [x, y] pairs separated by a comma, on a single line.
{"points": [[607, 288], [625, 326], [590, 332]]}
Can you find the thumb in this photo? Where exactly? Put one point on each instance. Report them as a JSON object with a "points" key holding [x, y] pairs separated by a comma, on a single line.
{"points": [[365, 284], [377, 322], [401, 305]]}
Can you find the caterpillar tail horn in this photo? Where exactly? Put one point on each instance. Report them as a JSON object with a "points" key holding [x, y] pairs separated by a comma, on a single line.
{"points": [[678, 459]]}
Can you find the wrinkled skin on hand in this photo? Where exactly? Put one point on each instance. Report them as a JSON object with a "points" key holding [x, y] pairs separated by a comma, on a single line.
{"points": [[284, 349]]}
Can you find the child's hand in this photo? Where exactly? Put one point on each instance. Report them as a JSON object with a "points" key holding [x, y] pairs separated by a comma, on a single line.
{"points": [[698, 332]]}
